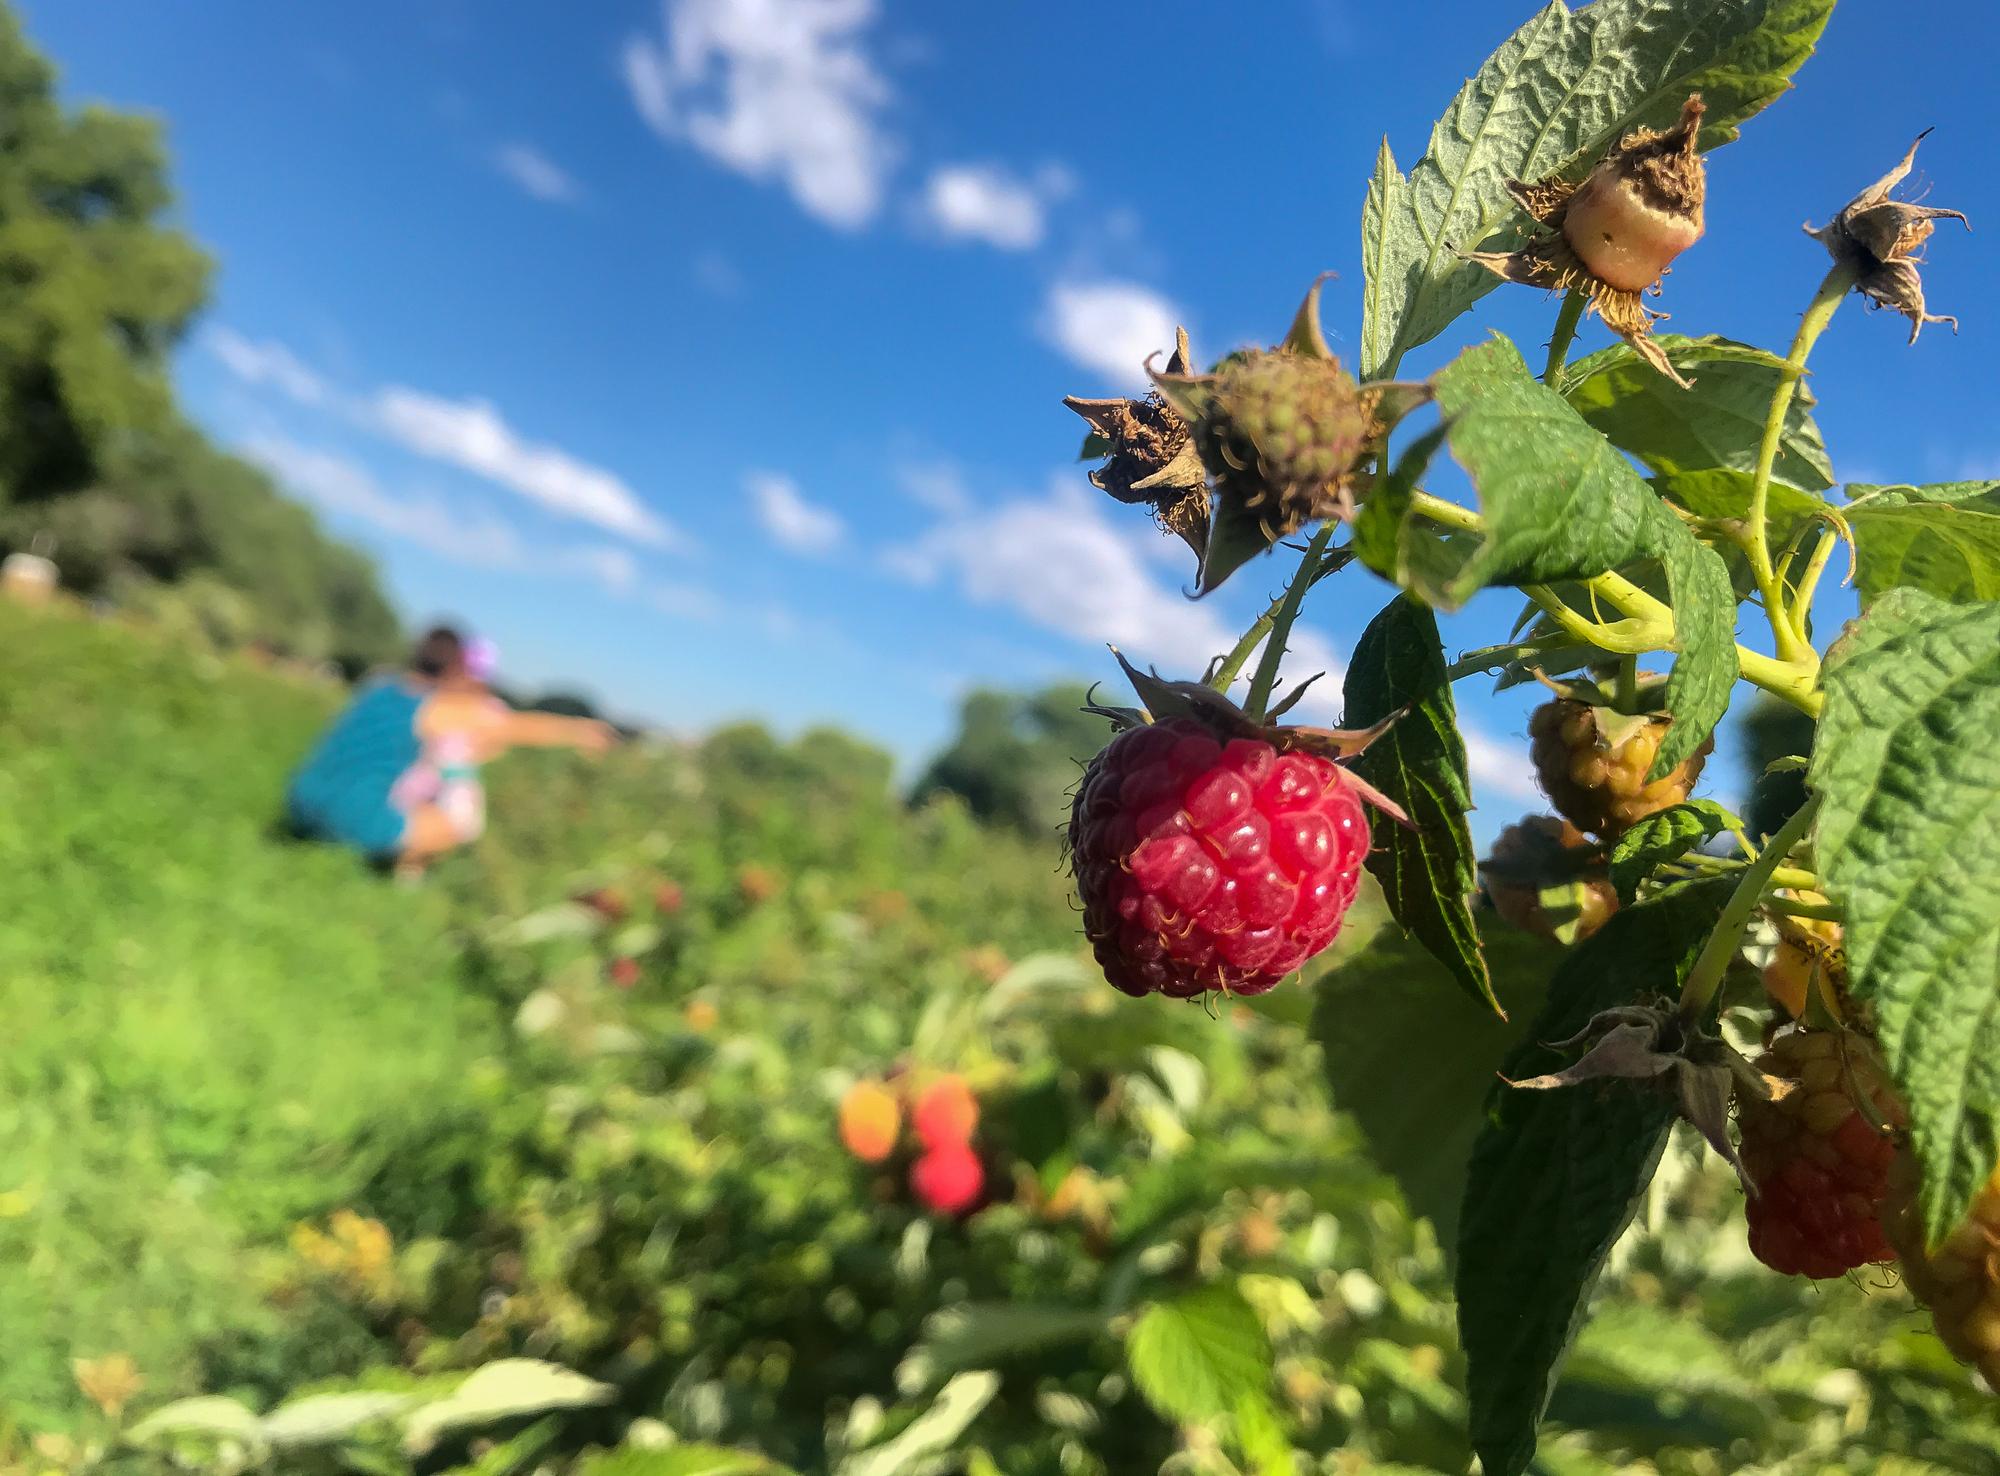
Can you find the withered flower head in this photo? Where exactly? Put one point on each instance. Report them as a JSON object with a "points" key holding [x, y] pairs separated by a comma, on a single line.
{"points": [[1880, 239], [1151, 456], [1615, 234]]}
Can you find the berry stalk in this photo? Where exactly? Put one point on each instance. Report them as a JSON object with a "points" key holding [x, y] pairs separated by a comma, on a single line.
{"points": [[1792, 647], [1705, 978], [1266, 676], [1565, 335]]}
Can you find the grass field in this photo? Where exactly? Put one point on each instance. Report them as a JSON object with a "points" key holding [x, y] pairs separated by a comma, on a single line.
{"points": [[269, 1123]]}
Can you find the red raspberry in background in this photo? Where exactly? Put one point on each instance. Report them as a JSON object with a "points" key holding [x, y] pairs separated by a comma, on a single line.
{"points": [[946, 1113], [607, 902], [624, 972], [869, 1121], [1819, 1163], [1211, 863], [1960, 1280], [948, 1179], [667, 897]]}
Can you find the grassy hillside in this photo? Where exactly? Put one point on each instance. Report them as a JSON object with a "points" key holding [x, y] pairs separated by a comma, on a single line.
{"points": [[201, 1022]]}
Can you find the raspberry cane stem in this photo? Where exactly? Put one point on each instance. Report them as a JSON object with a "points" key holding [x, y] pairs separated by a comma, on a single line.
{"points": [[1785, 625], [1266, 676], [1651, 623], [1564, 336], [1705, 978]]}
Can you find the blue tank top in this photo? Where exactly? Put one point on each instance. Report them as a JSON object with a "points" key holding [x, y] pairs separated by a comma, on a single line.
{"points": [[342, 789]]}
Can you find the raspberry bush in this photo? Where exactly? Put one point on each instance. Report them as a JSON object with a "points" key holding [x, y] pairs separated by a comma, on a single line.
{"points": [[1666, 500]]}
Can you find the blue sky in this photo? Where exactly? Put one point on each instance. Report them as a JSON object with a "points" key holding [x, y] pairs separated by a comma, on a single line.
{"points": [[709, 355]]}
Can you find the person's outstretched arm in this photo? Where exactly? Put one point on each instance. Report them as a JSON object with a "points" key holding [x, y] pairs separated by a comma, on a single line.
{"points": [[552, 730], [495, 727]]}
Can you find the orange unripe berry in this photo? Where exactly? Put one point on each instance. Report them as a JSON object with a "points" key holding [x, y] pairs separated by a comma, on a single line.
{"points": [[870, 1121]]}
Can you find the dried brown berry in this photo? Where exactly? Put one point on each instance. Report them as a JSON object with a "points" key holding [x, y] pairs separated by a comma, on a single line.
{"points": [[1150, 456], [1614, 234], [1880, 239], [1592, 764]]}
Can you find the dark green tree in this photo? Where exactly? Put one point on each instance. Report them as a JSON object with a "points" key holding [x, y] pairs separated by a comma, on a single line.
{"points": [[1016, 755]]}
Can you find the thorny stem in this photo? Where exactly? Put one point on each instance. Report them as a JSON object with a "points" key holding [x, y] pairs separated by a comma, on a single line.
{"points": [[1281, 617], [1565, 335], [1792, 647], [1705, 978], [1650, 626], [1791, 877], [1225, 675]]}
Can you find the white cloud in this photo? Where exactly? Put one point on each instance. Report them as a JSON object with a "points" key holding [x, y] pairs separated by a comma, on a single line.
{"points": [[265, 364], [937, 485], [774, 90], [793, 522], [537, 174], [1109, 327], [984, 202], [1061, 564], [1498, 766], [480, 540], [471, 434]]}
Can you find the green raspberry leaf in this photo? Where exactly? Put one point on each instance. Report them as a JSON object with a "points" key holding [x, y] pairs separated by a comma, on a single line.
{"points": [[1662, 838], [1426, 868], [1942, 539], [1557, 1175], [1411, 1075], [1704, 601], [1557, 93], [1909, 842], [1561, 502], [1721, 492], [1718, 424], [1200, 1355]]}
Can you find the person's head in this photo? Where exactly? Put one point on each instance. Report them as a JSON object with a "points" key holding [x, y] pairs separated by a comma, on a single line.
{"points": [[440, 655]]}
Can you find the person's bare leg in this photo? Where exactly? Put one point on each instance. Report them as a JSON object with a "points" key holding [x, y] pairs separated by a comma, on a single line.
{"points": [[428, 835]]}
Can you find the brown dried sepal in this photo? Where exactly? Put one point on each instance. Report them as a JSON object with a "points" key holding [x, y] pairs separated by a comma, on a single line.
{"points": [[1702, 1072], [1614, 235], [1152, 457], [1881, 241]]}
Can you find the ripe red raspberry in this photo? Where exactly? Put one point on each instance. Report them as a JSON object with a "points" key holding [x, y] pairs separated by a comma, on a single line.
{"points": [[624, 972], [1819, 1162], [946, 1113], [948, 1179], [1600, 785], [1212, 864], [1960, 1280]]}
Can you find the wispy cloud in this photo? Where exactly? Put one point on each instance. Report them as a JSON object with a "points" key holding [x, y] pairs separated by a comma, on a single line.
{"points": [[473, 435], [1498, 766], [1109, 327], [988, 202], [537, 174], [717, 275], [793, 522], [269, 364], [938, 485], [470, 434], [479, 540], [780, 90]]}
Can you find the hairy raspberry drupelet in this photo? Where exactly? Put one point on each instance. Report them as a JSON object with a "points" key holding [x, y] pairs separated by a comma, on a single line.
{"points": [[1960, 1280], [1206, 863], [1598, 785], [1819, 1162]]}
